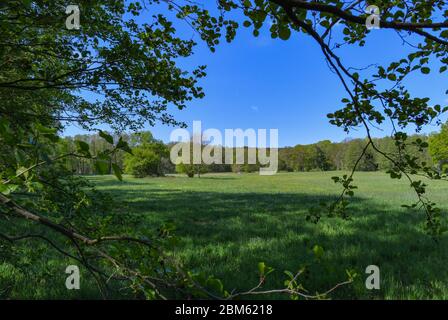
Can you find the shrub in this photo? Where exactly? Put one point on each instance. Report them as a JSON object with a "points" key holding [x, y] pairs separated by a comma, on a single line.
{"points": [[147, 160]]}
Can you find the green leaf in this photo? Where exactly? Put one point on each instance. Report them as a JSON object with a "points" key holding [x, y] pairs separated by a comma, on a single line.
{"points": [[117, 171], [123, 145], [83, 147], [215, 284], [289, 274], [8, 188], [261, 268], [50, 133], [392, 77], [318, 251], [41, 129], [106, 137], [425, 70], [102, 166], [284, 33], [22, 171]]}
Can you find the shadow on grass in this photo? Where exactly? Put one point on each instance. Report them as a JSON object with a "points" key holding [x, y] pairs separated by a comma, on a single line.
{"points": [[227, 234]]}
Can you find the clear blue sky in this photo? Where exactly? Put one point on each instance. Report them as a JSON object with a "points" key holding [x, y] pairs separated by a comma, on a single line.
{"points": [[264, 83]]}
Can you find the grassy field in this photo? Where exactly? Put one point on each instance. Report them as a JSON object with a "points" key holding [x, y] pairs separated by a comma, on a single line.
{"points": [[227, 223]]}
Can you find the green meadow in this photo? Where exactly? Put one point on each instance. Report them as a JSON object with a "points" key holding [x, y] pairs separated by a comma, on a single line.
{"points": [[227, 223]]}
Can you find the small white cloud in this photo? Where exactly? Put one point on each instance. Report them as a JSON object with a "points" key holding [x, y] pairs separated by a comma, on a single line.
{"points": [[254, 108]]}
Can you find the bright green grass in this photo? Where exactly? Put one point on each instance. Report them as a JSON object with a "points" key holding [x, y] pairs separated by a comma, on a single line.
{"points": [[228, 223]]}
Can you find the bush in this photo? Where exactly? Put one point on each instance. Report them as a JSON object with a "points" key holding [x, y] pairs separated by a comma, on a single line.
{"points": [[191, 169], [147, 160]]}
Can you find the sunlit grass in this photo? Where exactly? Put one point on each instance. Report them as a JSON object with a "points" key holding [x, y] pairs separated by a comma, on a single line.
{"points": [[227, 223]]}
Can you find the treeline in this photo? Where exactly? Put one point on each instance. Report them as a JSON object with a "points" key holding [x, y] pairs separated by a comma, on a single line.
{"points": [[326, 156], [152, 157], [143, 145]]}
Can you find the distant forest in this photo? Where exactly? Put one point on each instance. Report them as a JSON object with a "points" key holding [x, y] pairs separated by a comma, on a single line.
{"points": [[151, 156]]}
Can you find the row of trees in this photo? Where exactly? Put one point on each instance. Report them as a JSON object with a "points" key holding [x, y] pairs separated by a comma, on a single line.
{"points": [[151, 157], [325, 155]]}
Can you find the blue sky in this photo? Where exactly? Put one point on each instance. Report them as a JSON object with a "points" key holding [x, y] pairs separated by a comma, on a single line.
{"points": [[265, 83]]}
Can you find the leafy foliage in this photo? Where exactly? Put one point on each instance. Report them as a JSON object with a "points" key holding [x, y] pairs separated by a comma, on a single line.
{"points": [[147, 159]]}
